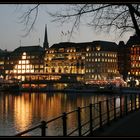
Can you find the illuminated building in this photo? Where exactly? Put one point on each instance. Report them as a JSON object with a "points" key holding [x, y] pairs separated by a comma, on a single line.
{"points": [[3, 55], [87, 62], [101, 62], [123, 58], [24, 61], [133, 46], [90, 61], [65, 59]]}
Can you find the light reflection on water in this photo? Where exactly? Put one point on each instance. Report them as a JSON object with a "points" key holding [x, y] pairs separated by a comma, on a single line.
{"points": [[24, 110]]}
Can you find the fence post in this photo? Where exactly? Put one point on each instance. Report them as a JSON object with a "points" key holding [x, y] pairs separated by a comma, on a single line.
{"points": [[79, 120], [64, 118], [100, 113], [131, 103], [43, 128], [114, 108], [120, 106], [135, 102], [126, 109], [90, 111], [139, 101], [108, 117]]}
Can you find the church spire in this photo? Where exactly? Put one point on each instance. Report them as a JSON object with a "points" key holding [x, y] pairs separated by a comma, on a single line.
{"points": [[45, 44]]}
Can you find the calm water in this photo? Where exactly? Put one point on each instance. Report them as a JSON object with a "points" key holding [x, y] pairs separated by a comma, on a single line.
{"points": [[19, 112]]}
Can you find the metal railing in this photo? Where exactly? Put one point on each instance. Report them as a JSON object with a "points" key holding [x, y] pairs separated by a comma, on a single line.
{"points": [[99, 114]]}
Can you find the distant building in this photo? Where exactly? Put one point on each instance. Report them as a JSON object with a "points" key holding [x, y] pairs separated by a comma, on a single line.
{"points": [[66, 60], [133, 61], [123, 58], [3, 56], [97, 62], [24, 62], [87, 62], [101, 62]]}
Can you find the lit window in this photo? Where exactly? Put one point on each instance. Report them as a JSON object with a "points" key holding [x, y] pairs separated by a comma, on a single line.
{"points": [[36, 66], [87, 49], [23, 66], [23, 61], [20, 61], [19, 67]]}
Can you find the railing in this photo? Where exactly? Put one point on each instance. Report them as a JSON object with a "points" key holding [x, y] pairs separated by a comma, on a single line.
{"points": [[99, 114]]}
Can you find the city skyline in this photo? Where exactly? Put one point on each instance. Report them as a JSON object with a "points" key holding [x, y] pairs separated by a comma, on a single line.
{"points": [[11, 30]]}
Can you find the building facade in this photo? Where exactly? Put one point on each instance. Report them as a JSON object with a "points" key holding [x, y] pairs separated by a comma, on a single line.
{"points": [[24, 62], [101, 62], [133, 62]]}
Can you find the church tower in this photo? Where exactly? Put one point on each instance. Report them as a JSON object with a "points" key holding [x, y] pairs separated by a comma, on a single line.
{"points": [[45, 44]]}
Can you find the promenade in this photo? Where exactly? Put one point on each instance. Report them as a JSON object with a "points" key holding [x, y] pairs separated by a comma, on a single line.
{"points": [[127, 126]]}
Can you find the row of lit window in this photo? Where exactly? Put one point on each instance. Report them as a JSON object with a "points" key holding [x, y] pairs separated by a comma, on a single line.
{"points": [[29, 57], [101, 60], [101, 54], [101, 65], [100, 70], [1, 62], [95, 77], [65, 71], [23, 71], [28, 66], [61, 50], [135, 65], [136, 73], [135, 57]]}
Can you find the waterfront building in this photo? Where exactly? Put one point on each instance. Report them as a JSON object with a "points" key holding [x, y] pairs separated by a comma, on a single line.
{"points": [[3, 55], [94, 62], [101, 62], [25, 62], [133, 62], [65, 60], [123, 58], [89, 62]]}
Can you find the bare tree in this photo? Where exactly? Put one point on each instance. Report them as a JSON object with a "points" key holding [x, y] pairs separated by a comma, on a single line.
{"points": [[28, 19], [104, 17]]}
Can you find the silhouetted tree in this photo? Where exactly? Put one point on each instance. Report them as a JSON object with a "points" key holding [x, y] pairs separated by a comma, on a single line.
{"points": [[120, 17]]}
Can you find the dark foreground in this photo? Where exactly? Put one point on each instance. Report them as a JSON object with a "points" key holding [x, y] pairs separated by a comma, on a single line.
{"points": [[127, 126]]}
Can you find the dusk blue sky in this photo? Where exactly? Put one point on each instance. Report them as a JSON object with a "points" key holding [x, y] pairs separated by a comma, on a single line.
{"points": [[11, 31]]}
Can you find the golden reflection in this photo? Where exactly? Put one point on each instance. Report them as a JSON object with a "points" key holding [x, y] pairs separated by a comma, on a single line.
{"points": [[22, 113]]}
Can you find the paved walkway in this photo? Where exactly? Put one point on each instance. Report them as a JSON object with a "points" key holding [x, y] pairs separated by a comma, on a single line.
{"points": [[127, 126]]}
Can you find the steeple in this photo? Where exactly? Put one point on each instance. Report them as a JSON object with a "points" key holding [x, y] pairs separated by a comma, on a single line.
{"points": [[45, 44]]}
